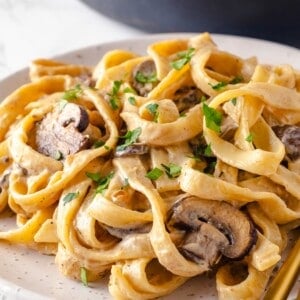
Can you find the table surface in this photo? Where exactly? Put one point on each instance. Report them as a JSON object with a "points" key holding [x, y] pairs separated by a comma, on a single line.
{"points": [[43, 28]]}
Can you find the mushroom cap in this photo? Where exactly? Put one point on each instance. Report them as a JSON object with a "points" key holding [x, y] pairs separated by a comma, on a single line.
{"points": [[147, 69], [187, 97], [290, 137], [59, 133], [133, 149], [215, 226], [74, 114]]}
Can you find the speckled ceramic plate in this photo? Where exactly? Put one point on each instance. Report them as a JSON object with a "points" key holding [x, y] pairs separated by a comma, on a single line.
{"points": [[26, 274]]}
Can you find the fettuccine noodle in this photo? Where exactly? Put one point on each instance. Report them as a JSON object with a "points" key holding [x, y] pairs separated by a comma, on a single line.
{"points": [[155, 168]]}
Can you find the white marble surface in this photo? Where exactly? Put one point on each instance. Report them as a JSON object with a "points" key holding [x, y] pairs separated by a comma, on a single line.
{"points": [[43, 28]]}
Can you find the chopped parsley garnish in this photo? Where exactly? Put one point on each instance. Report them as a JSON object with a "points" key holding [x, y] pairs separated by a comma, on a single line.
{"points": [[208, 151], [172, 170], [142, 78], [152, 108], [203, 98], [114, 103], [154, 174], [116, 87], [83, 276], [129, 138], [132, 100], [98, 144], [213, 118], [233, 101], [107, 147], [201, 150], [113, 100], [61, 104], [236, 80], [69, 197], [249, 138], [218, 86], [183, 58], [129, 90], [73, 94], [101, 181], [182, 114], [222, 84]]}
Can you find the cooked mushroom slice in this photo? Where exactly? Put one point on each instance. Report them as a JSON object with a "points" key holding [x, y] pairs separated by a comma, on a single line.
{"points": [[211, 228], [123, 232], [187, 97], [4, 179], [290, 137], [58, 134], [76, 114], [133, 149], [144, 77], [228, 128]]}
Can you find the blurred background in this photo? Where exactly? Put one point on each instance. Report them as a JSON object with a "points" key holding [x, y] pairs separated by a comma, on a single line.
{"points": [[44, 28], [276, 20]]}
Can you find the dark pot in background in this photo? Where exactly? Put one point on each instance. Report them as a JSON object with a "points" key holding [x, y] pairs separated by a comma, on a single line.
{"points": [[277, 20]]}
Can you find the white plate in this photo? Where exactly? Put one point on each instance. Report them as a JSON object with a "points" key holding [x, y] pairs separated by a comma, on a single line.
{"points": [[26, 274]]}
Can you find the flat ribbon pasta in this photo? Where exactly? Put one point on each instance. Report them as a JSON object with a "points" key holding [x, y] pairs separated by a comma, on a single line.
{"points": [[155, 168]]}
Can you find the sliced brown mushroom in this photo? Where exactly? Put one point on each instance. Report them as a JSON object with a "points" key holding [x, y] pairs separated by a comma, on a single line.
{"points": [[4, 179], [187, 97], [123, 232], [290, 137], [144, 77], [76, 114], [211, 229], [228, 128], [59, 134], [133, 149]]}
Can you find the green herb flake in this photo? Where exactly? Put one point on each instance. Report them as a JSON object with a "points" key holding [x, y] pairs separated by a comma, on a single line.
{"points": [[154, 174], [203, 99], [213, 118], [129, 90], [129, 138], [113, 100], [116, 87], [183, 58], [249, 138], [132, 100], [73, 94], [233, 101], [94, 176], [101, 181], [218, 86], [107, 147], [98, 144], [182, 114], [207, 151], [83, 276], [69, 197], [152, 108], [172, 170], [61, 104], [236, 80], [142, 78]]}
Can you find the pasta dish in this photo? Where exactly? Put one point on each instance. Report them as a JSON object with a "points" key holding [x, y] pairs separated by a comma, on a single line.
{"points": [[155, 168]]}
